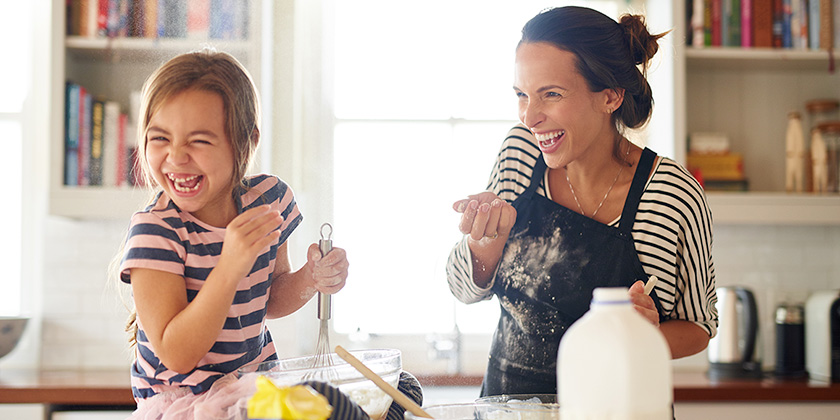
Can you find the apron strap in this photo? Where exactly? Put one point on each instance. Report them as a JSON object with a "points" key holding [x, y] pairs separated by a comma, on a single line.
{"points": [[634, 196], [536, 176]]}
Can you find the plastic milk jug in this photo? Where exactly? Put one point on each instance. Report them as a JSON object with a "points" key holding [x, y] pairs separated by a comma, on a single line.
{"points": [[614, 364]]}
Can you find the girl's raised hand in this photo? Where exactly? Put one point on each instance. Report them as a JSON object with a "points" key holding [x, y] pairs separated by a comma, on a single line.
{"points": [[247, 235], [485, 217], [330, 271]]}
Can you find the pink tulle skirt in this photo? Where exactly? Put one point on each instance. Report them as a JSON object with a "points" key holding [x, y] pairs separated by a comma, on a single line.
{"points": [[226, 399]]}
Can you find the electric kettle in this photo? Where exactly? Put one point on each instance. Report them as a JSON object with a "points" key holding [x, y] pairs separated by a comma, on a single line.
{"points": [[734, 351]]}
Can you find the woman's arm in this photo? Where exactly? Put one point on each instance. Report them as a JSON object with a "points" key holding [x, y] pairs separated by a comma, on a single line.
{"points": [[684, 338]]}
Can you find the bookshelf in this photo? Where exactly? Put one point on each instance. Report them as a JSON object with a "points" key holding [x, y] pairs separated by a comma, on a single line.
{"points": [[112, 68], [747, 94]]}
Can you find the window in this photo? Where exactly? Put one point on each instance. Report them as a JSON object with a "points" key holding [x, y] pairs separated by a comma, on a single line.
{"points": [[18, 81], [422, 101]]}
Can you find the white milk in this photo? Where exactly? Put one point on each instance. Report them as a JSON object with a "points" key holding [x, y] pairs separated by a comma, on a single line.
{"points": [[614, 364]]}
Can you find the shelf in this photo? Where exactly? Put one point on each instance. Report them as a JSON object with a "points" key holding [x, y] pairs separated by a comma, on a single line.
{"points": [[143, 49], [757, 208], [758, 58], [97, 202]]}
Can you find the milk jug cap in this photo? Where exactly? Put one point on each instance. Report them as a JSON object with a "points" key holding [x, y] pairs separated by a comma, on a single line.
{"points": [[610, 295]]}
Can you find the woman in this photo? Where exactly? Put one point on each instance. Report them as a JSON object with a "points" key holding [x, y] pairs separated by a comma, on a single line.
{"points": [[573, 205]]}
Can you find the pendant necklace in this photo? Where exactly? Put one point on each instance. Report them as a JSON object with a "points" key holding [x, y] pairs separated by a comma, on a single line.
{"points": [[572, 189]]}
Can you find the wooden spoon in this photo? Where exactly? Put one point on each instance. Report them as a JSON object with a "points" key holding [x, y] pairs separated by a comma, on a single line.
{"points": [[398, 396]]}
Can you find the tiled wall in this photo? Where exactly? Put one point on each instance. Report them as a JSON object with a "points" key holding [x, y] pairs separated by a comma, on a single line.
{"points": [[83, 319]]}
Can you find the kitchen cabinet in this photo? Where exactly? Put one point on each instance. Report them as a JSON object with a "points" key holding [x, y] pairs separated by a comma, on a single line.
{"points": [[747, 94], [113, 68]]}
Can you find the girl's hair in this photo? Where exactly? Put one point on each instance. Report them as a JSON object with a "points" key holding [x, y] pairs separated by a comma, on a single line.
{"points": [[610, 54], [210, 71], [206, 70]]}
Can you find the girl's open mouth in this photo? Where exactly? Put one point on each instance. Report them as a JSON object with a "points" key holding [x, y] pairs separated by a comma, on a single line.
{"points": [[185, 184]]}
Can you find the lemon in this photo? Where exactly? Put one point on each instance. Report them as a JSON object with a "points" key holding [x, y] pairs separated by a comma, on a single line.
{"points": [[297, 402]]}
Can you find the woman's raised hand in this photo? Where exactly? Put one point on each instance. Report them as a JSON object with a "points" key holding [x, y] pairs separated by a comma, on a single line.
{"points": [[248, 235], [485, 217]]}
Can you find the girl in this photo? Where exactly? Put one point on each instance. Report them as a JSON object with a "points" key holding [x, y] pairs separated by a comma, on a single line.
{"points": [[573, 205], [208, 259]]}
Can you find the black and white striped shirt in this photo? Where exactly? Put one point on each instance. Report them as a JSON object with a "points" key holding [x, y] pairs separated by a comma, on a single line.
{"points": [[672, 233]]}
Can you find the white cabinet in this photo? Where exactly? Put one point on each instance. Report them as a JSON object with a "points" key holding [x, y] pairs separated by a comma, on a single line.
{"points": [[747, 94], [113, 68]]}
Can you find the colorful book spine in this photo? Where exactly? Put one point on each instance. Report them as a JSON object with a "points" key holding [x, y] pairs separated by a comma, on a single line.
{"points": [[110, 147], [85, 104], [198, 19], [123, 154], [787, 24], [826, 25], [763, 23], [778, 14], [733, 17], [97, 117], [150, 30], [746, 23], [71, 134], [814, 24], [717, 22]]}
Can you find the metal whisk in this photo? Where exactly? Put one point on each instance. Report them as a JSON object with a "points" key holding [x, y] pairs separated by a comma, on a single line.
{"points": [[322, 348]]}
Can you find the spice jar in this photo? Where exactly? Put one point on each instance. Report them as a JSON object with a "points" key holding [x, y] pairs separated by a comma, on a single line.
{"points": [[826, 166]]}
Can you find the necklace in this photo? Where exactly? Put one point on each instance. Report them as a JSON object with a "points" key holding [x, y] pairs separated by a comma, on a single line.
{"points": [[572, 189]]}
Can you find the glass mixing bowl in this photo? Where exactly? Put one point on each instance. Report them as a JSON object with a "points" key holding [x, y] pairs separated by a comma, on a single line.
{"points": [[489, 411], [520, 398], [387, 363]]}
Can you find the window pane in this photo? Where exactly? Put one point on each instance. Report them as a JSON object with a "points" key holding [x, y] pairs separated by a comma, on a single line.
{"points": [[10, 252], [16, 72]]}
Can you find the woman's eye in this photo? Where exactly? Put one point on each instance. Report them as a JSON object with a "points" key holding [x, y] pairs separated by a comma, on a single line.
{"points": [[553, 95]]}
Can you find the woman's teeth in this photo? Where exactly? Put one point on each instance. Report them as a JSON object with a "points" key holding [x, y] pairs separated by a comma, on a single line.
{"points": [[188, 184], [549, 139]]}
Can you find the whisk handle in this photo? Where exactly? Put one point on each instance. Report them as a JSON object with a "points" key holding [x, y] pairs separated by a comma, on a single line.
{"points": [[324, 300]]}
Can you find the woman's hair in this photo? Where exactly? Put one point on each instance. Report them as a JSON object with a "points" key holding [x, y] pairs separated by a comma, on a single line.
{"points": [[610, 54], [209, 71]]}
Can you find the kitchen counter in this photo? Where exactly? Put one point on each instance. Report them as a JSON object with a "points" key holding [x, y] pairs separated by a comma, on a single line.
{"points": [[696, 387], [111, 388]]}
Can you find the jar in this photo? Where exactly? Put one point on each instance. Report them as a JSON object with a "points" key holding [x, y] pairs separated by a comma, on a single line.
{"points": [[821, 110], [790, 341], [829, 131]]}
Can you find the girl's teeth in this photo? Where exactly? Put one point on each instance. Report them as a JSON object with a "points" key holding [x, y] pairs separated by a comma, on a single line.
{"points": [[188, 184]]}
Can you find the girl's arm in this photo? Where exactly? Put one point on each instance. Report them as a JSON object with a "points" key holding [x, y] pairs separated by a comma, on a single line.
{"points": [[291, 290], [182, 332]]}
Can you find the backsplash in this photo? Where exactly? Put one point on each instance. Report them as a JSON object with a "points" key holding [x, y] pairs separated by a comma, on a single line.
{"points": [[83, 318]]}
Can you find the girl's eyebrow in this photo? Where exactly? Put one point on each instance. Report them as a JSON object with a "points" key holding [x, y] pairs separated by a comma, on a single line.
{"points": [[192, 133]]}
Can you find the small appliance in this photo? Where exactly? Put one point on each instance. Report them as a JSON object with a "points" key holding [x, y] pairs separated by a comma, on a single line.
{"points": [[822, 335], [734, 351], [790, 341]]}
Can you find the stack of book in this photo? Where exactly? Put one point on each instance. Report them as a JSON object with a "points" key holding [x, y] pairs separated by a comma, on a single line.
{"points": [[201, 19], [97, 149], [714, 165], [796, 24]]}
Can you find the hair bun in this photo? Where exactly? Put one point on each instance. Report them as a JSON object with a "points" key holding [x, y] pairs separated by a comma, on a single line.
{"points": [[643, 45]]}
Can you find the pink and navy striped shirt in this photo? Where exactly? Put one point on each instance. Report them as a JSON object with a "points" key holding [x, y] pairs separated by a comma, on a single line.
{"points": [[162, 237]]}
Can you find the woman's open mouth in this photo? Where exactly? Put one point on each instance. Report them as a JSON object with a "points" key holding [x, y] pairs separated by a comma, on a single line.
{"points": [[548, 142], [185, 184]]}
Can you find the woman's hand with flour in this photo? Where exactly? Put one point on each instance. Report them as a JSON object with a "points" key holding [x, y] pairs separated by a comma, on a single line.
{"points": [[487, 220]]}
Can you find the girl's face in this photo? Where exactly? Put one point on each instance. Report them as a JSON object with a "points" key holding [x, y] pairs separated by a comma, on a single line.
{"points": [[191, 157], [556, 104]]}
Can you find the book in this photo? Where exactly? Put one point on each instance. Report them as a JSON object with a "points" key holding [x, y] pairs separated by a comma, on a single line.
{"points": [[826, 25], [778, 19], [198, 19], [150, 21], [787, 24], [85, 102], [97, 116], [762, 23], [71, 134], [814, 24], [174, 14], [733, 18], [717, 167], [746, 23], [111, 145]]}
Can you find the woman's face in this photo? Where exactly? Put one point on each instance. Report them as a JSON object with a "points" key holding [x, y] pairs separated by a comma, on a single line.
{"points": [[191, 157], [556, 104]]}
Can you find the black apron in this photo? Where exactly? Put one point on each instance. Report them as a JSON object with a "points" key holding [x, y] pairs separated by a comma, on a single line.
{"points": [[551, 264]]}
